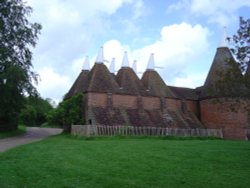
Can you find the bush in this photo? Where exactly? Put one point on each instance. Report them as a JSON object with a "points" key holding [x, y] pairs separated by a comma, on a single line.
{"points": [[67, 113]]}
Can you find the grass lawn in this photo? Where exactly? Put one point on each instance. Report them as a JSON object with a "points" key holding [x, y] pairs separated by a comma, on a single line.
{"points": [[20, 130], [64, 161]]}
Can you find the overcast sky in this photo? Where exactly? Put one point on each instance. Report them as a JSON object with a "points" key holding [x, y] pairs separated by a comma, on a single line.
{"points": [[183, 35]]}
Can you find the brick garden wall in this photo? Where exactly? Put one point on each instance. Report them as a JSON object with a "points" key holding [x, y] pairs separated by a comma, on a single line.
{"points": [[228, 114]]}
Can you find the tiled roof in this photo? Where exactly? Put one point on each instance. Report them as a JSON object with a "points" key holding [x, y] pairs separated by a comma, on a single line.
{"points": [[184, 93], [219, 65], [80, 85], [101, 80], [155, 85], [129, 82], [218, 79], [150, 118]]}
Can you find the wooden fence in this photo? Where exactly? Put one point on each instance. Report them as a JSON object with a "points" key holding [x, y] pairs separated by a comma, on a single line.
{"points": [[100, 130]]}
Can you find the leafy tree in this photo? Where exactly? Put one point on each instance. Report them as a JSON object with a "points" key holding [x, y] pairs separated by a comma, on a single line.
{"points": [[241, 49], [241, 43], [35, 111], [17, 36], [68, 112]]}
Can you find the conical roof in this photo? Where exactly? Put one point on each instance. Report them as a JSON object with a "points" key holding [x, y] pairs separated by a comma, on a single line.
{"points": [[184, 93], [134, 66], [151, 62], [101, 80], [223, 41], [125, 62], [100, 56], [112, 66], [155, 85], [220, 65], [80, 85], [222, 68], [86, 64], [129, 82]]}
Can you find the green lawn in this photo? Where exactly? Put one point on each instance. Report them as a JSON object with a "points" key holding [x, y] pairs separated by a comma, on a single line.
{"points": [[20, 130], [63, 161]]}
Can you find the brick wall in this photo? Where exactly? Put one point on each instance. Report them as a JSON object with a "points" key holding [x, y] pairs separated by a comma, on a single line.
{"points": [[151, 103], [173, 103], [229, 114], [126, 101], [97, 99], [131, 102], [192, 106]]}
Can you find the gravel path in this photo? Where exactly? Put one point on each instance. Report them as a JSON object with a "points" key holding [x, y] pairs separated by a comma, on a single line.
{"points": [[33, 134]]}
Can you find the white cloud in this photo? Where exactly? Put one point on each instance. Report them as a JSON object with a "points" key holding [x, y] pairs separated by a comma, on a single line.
{"points": [[190, 81], [179, 46], [211, 7], [113, 48], [139, 9], [222, 12], [71, 29], [53, 85]]}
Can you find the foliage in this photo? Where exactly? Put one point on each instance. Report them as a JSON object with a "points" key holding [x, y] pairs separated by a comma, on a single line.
{"points": [[241, 48], [17, 36], [241, 43], [63, 161], [67, 113], [35, 111]]}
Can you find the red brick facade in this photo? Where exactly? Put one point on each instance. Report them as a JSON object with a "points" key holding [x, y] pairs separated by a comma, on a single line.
{"points": [[230, 115]]}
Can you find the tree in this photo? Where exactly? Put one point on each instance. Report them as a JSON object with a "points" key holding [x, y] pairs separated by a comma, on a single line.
{"points": [[17, 36], [241, 48], [35, 110], [241, 43], [70, 111]]}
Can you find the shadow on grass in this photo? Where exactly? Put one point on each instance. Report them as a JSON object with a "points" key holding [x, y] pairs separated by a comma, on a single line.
{"points": [[20, 130]]}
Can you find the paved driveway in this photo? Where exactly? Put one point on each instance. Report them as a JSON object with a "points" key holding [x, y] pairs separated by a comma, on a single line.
{"points": [[33, 134]]}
